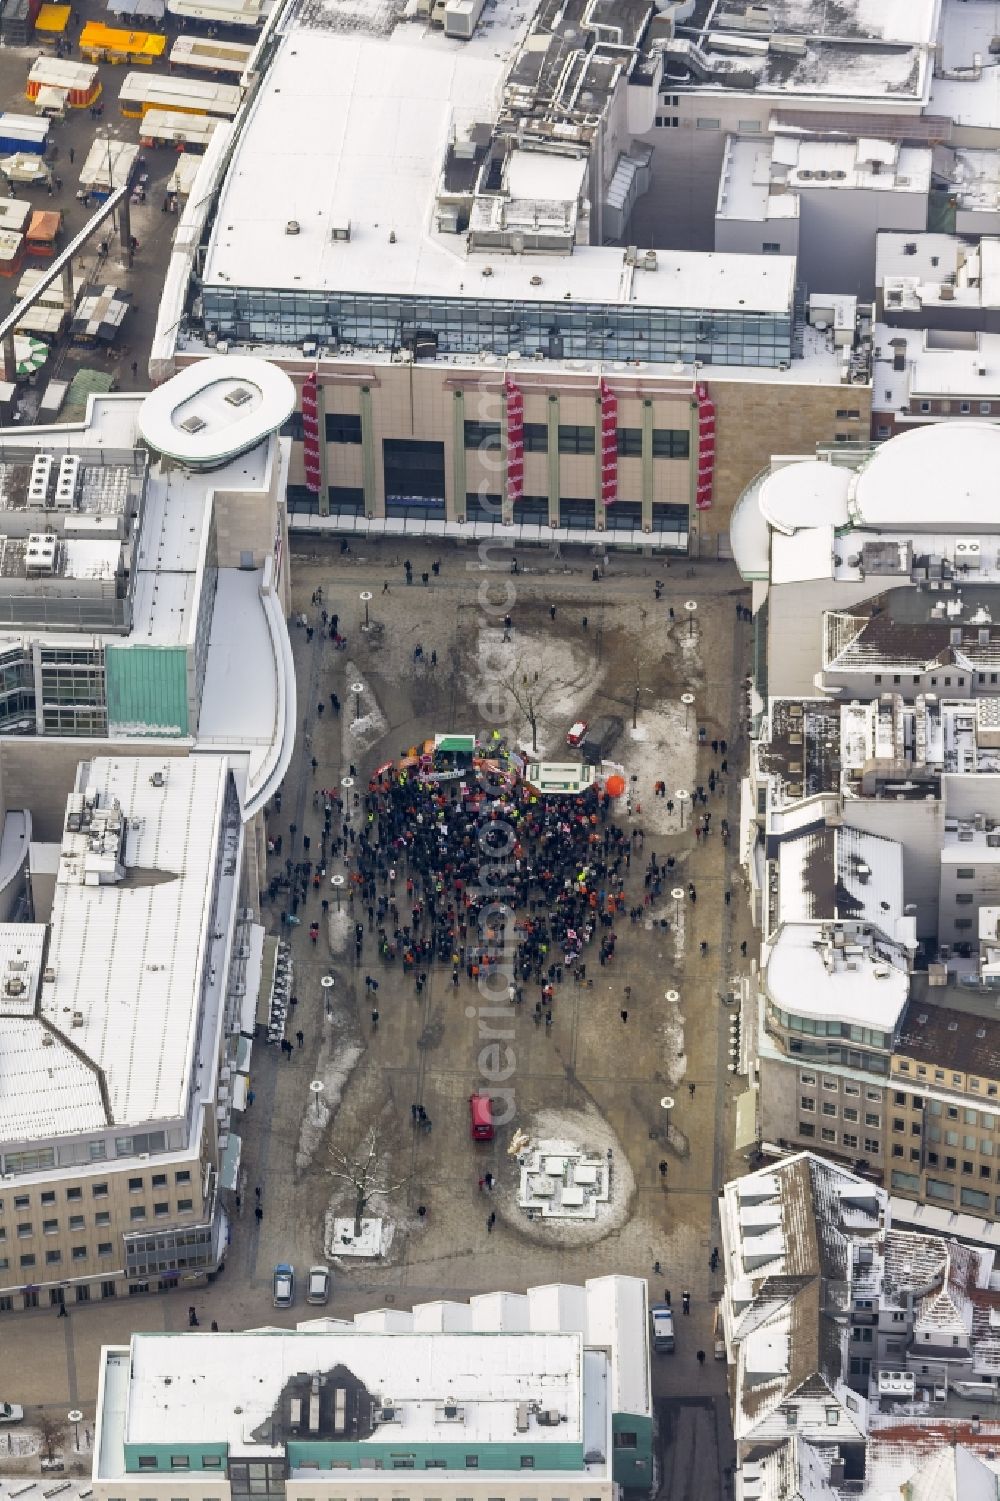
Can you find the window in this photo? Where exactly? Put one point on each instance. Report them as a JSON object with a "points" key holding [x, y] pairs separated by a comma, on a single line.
{"points": [[985, 408], [965, 873], [850, 1114], [211, 1461], [161, 1209], [479, 435], [872, 1119], [48, 1198], [27, 1260], [79, 1253], [807, 1078], [829, 1107], [630, 442], [871, 1144], [135, 1185], [807, 1102], [827, 1135], [147, 1461], [159, 1180], [76, 1222], [74, 1195], [832, 1416], [50, 1227], [102, 1217], [180, 1462], [830, 1084], [850, 1140], [897, 1150], [707, 122], [183, 1205], [137, 1212], [52, 1257], [104, 1249], [342, 427], [183, 1176], [925, 406], [671, 443], [666, 121], [770, 247], [806, 1128], [848, 414], [528, 1460], [25, 1230], [964, 899], [536, 437], [575, 439], [854, 1090], [99, 1191], [472, 1461]]}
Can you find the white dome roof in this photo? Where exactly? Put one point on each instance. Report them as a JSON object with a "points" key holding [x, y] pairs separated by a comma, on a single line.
{"points": [[943, 475], [811, 493]]}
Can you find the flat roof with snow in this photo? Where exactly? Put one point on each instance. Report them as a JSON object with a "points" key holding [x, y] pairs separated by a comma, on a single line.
{"points": [[354, 173], [941, 475], [216, 409]]}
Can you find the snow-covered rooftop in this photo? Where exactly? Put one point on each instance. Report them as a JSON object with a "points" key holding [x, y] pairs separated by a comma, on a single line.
{"points": [[835, 972]]}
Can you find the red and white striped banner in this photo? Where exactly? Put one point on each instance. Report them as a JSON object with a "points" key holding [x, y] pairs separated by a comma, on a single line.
{"points": [[706, 449], [609, 444], [515, 438], [310, 432]]}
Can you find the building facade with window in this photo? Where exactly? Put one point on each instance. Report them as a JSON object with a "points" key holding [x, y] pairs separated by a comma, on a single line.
{"points": [[122, 1046], [542, 1395], [486, 270]]}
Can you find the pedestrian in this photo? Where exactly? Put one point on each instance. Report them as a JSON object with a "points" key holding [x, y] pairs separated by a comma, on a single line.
{"points": [[743, 948], [192, 1317], [215, 1326], [135, 369], [491, 1222], [62, 1310], [685, 1303], [691, 1089], [425, 579], [414, 1113], [300, 1037], [72, 156], [623, 1015], [422, 1211], [489, 1180], [374, 1018], [251, 1096], [552, 612], [666, 1296], [664, 1166], [482, 1184], [256, 1193], [385, 587], [584, 622], [701, 1357], [258, 1214]]}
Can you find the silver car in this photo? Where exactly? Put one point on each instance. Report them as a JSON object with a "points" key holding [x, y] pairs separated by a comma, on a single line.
{"points": [[319, 1284], [283, 1285]]}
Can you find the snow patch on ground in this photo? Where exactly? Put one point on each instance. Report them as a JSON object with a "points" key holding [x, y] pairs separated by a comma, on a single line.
{"points": [[567, 679], [360, 734], [339, 928], [338, 1058], [591, 1132], [661, 748]]}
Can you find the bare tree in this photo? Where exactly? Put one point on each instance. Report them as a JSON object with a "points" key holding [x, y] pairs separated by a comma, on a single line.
{"points": [[530, 690], [52, 1432], [365, 1171]]}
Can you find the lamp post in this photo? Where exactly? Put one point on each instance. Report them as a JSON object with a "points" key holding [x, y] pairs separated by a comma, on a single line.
{"points": [[316, 1086], [357, 689], [366, 599], [337, 882], [678, 896], [76, 1418], [683, 796], [687, 699], [690, 605]]}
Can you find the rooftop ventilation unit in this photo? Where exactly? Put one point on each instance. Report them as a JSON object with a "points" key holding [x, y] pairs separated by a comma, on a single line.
{"points": [[339, 231], [292, 227], [238, 396], [449, 1413], [40, 556], [193, 424], [66, 481], [38, 484]]}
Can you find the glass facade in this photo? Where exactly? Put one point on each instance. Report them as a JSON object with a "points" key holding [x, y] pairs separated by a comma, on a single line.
{"points": [[470, 325]]}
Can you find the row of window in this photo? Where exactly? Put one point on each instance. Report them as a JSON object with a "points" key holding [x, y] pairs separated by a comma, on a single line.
{"points": [[847, 1085], [43, 1158], [667, 442], [924, 1071], [137, 1213], [917, 679], [850, 1112], [847, 1139], [964, 407], [813, 1027], [988, 1119], [74, 1194], [950, 1163], [936, 1188]]}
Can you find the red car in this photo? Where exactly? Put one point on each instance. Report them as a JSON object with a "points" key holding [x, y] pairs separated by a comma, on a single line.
{"points": [[577, 733]]}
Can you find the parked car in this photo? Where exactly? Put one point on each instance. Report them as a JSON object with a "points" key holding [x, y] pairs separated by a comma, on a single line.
{"points": [[662, 1319], [319, 1284], [11, 1413], [601, 735], [284, 1285], [576, 733], [480, 1117]]}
